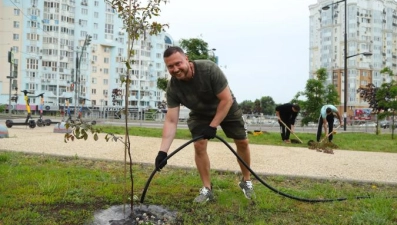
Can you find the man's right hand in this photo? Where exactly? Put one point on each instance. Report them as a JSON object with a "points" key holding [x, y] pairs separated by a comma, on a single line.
{"points": [[161, 156]]}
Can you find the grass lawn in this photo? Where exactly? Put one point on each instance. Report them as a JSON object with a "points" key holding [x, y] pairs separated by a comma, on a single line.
{"points": [[43, 189]]}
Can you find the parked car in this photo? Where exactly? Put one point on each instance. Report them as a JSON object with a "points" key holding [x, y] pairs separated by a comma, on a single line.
{"points": [[368, 124], [384, 124], [387, 124]]}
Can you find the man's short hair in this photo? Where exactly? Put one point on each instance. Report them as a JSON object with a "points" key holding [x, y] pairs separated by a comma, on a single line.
{"points": [[328, 110], [171, 50], [296, 107]]}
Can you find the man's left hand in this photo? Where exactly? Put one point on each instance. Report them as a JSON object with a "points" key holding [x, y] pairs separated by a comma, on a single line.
{"points": [[209, 132]]}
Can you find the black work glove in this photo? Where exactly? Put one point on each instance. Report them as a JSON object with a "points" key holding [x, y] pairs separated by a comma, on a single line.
{"points": [[159, 159], [209, 132]]}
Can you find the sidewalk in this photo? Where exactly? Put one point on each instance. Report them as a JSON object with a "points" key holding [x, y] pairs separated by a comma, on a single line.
{"points": [[273, 160]]}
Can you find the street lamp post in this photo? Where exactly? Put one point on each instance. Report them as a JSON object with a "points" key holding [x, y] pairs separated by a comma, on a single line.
{"points": [[345, 61]]}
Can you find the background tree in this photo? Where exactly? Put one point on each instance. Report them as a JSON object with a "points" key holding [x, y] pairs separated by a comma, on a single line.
{"points": [[196, 48], [383, 100], [268, 105], [387, 101], [247, 106], [368, 94], [315, 95], [162, 83], [257, 107]]}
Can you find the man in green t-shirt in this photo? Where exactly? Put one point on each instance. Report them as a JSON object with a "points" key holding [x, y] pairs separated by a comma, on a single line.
{"points": [[202, 87]]}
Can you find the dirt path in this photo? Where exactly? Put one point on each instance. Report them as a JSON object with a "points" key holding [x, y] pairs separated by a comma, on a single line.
{"points": [[291, 161]]}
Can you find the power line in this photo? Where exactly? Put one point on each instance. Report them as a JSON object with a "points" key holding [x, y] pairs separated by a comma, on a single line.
{"points": [[29, 18]]}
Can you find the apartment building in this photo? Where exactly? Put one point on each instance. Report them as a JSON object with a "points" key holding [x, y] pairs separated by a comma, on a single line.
{"points": [[371, 27], [73, 52]]}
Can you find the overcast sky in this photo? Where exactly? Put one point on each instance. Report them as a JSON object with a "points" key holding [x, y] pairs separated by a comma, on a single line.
{"points": [[263, 46]]}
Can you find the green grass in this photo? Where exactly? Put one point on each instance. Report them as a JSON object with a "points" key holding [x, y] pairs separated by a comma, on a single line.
{"points": [[43, 189], [345, 141]]}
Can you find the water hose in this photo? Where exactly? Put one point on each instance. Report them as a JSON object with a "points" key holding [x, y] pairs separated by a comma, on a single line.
{"points": [[252, 172]]}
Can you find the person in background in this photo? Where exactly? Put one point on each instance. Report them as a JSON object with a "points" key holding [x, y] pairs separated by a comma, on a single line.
{"points": [[202, 87], [287, 114], [326, 120]]}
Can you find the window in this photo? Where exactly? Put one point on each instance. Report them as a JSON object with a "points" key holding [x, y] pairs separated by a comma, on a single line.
{"points": [[95, 25], [16, 12], [106, 71], [83, 33], [95, 37], [93, 80], [83, 23], [16, 24], [109, 18], [94, 69], [93, 91], [109, 28], [109, 8], [32, 24], [106, 60], [105, 82], [96, 14], [15, 37], [32, 64], [34, 37], [84, 11], [96, 3]]}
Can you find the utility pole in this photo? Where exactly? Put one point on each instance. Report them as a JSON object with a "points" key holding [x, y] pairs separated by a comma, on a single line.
{"points": [[11, 61], [77, 87]]}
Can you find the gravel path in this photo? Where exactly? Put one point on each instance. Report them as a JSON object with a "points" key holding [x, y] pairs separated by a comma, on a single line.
{"points": [[291, 161]]}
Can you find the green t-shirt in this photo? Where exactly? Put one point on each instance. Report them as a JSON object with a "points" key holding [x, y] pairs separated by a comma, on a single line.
{"points": [[199, 93]]}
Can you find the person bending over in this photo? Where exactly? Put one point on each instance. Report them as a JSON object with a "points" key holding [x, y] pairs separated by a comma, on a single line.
{"points": [[327, 115], [287, 114], [202, 87]]}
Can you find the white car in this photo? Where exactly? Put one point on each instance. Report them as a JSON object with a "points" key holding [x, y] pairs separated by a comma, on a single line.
{"points": [[368, 124]]}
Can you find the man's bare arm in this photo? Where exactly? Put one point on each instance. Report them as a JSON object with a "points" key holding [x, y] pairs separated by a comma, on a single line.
{"points": [[226, 101]]}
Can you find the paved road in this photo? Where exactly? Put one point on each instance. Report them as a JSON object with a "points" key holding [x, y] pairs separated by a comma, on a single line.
{"points": [[159, 124], [274, 160]]}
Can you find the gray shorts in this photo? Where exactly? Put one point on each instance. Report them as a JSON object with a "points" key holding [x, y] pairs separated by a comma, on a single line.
{"points": [[233, 125]]}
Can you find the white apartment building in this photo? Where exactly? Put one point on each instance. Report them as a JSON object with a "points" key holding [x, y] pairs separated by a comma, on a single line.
{"points": [[47, 40], [371, 27]]}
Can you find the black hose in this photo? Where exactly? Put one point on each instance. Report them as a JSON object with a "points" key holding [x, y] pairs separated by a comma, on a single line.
{"points": [[169, 156], [252, 172]]}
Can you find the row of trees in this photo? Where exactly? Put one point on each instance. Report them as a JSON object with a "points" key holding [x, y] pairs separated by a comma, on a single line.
{"points": [[382, 100]]}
